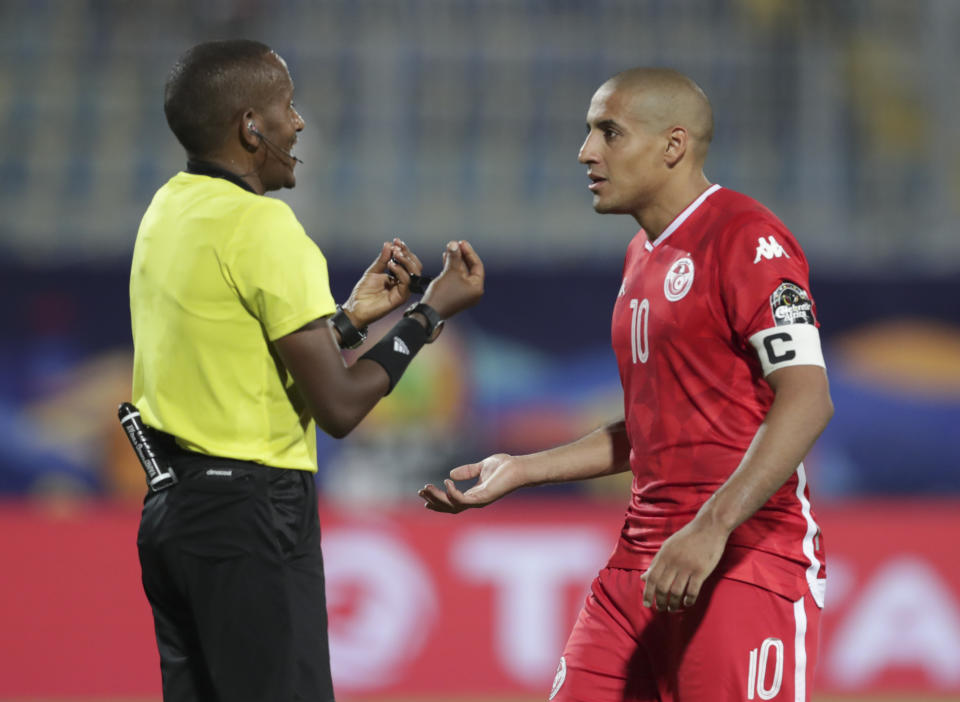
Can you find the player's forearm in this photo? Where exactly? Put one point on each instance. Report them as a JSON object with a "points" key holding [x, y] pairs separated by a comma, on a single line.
{"points": [[800, 411], [601, 452]]}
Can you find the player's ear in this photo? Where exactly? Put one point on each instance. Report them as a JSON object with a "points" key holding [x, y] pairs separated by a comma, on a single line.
{"points": [[677, 142]]}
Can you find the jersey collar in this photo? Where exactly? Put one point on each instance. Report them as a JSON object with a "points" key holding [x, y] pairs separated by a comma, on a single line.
{"points": [[205, 168], [682, 217]]}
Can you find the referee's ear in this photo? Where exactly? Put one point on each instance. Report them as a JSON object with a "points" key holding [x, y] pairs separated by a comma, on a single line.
{"points": [[248, 131]]}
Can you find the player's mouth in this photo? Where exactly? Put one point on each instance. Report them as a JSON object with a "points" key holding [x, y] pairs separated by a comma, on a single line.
{"points": [[596, 182]]}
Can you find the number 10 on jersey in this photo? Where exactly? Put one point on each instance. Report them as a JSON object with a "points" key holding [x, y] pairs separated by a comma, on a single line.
{"points": [[639, 323]]}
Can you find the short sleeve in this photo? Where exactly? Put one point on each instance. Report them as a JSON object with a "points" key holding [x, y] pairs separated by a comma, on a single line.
{"points": [[278, 271], [764, 277], [764, 281]]}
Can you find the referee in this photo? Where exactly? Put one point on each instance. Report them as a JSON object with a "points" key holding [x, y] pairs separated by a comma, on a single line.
{"points": [[237, 359]]}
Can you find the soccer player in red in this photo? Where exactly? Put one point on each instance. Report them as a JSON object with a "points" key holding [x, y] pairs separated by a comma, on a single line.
{"points": [[714, 590]]}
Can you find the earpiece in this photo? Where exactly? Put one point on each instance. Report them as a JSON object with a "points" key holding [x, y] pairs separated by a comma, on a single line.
{"points": [[252, 128]]}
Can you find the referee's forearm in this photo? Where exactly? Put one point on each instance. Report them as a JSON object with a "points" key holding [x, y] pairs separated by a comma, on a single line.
{"points": [[362, 386]]}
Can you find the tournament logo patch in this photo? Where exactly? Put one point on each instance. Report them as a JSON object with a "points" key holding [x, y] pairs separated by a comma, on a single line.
{"points": [[790, 304], [679, 279], [559, 678]]}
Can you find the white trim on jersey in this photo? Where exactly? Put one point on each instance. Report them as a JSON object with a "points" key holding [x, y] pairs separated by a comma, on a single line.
{"points": [[788, 345], [682, 217], [800, 653], [818, 586]]}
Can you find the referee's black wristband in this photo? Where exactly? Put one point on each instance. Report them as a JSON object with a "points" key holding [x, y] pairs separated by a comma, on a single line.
{"points": [[397, 348]]}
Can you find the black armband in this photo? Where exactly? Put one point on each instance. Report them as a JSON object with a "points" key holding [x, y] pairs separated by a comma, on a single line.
{"points": [[397, 348]]}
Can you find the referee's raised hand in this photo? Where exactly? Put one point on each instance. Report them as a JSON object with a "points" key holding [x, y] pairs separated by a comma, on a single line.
{"points": [[385, 285], [460, 284]]}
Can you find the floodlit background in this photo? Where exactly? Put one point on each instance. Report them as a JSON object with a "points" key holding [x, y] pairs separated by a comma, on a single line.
{"points": [[439, 119]]}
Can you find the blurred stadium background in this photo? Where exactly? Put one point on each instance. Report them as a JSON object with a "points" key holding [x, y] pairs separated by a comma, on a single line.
{"points": [[437, 119]]}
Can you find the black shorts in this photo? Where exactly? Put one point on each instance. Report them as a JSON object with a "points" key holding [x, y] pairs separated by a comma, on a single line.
{"points": [[233, 571]]}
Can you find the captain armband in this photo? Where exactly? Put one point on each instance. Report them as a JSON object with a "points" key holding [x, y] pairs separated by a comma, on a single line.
{"points": [[788, 345], [397, 348]]}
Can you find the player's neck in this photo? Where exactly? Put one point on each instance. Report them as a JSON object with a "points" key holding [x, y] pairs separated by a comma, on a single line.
{"points": [[672, 199]]}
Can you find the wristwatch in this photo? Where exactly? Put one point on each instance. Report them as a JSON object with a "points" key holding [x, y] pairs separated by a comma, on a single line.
{"points": [[434, 323], [350, 336]]}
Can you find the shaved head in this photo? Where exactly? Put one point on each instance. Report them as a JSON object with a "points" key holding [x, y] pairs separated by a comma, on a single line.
{"points": [[648, 133], [662, 98], [212, 84]]}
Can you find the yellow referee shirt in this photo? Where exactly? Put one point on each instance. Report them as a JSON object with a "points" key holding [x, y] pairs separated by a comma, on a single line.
{"points": [[219, 272]]}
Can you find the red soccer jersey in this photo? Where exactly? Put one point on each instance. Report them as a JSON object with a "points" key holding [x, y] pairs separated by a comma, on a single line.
{"points": [[725, 270]]}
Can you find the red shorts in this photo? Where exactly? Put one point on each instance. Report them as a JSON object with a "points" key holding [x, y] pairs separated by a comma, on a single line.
{"points": [[738, 642]]}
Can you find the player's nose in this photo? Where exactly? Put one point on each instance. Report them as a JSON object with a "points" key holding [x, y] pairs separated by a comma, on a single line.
{"points": [[587, 153]]}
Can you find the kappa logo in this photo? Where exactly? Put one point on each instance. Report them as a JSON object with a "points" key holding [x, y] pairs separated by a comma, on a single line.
{"points": [[679, 279], [400, 347], [559, 678], [623, 289], [769, 249]]}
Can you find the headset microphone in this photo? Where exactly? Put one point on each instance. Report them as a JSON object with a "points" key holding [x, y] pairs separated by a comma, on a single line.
{"points": [[252, 128]]}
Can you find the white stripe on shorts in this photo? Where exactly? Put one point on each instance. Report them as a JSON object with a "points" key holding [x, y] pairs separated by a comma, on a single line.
{"points": [[800, 653]]}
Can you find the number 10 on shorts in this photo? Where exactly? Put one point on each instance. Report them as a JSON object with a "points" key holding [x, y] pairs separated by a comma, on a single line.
{"points": [[757, 677]]}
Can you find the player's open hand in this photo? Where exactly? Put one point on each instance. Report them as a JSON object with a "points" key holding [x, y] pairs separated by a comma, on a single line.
{"points": [[460, 284], [496, 476], [682, 564], [385, 285]]}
